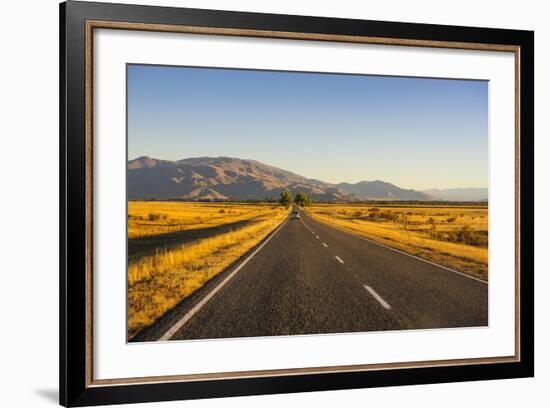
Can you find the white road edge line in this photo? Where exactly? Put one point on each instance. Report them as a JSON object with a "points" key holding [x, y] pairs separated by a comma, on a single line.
{"points": [[375, 295], [180, 323], [412, 256], [339, 259], [325, 245]]}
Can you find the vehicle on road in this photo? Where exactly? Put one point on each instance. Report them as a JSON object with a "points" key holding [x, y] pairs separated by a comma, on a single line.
{"points": [[295, 215]]}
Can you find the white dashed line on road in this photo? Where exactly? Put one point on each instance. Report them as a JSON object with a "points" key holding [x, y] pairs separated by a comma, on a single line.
{"points": [[339, 259], [325, 245], [375, 295], [317, 236]]}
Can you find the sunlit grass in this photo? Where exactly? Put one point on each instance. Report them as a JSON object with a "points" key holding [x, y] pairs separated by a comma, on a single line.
{"points": [[148, 218], [456, 237], [159, 282]]}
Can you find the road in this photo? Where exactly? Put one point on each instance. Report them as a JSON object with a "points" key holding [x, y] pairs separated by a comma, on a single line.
{"points": [[310, 278]]}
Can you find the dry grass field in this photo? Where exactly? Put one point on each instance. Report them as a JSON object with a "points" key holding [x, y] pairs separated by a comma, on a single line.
{"points": [[159, 281], [453, 236], [149, 218]]}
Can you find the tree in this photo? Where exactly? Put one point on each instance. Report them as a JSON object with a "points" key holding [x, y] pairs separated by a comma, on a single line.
{"points": [[302, 199], [285, 199]]}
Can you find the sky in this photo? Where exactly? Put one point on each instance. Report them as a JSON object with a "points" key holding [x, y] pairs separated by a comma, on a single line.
{"points": [[416, 133]]}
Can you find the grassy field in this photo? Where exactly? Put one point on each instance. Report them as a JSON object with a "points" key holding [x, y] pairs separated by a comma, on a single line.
{"points": [[149, 218], [158, 282], [453, 236]]}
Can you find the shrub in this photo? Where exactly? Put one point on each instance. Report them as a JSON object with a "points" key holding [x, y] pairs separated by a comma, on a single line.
{"points": [[387, 215], [154, 216], [403, 220], [466, 236]]}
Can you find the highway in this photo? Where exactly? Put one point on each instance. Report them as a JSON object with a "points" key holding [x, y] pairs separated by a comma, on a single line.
{"points": [[309, 278]]}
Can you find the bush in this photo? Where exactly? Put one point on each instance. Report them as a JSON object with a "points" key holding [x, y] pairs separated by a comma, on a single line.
{"points": [[466, 236], [154, 216], [388, 216], [403, 220]]}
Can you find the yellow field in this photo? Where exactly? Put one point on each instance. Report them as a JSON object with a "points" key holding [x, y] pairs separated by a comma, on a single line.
{"points": [[158, 282], [147, 218], [456, 237]]}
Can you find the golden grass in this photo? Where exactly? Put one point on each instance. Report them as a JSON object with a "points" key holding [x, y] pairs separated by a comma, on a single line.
{"points": [[159, 282], [148, 218], [451, 236]]}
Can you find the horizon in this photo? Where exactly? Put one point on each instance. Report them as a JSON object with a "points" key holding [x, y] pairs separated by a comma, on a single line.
{"points": [[439, 126]]}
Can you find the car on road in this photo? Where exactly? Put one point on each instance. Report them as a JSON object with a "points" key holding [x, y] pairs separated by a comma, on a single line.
{"points": [[295, 214]]}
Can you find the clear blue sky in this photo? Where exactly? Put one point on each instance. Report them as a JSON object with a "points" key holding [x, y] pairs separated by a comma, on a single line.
{"points": [[415, 133]]}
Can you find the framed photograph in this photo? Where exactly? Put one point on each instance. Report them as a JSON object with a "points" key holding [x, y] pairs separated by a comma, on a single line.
{"points": [[256, 203]]}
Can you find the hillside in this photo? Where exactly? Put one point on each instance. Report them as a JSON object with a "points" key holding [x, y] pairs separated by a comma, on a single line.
{"points": [[221, 178], [227, 178], [380, 190]]}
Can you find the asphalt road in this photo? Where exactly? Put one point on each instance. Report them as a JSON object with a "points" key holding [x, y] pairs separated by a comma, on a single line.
{"points": [[310, 278]]}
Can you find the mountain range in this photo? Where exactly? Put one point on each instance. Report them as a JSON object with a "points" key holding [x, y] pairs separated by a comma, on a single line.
{"points": [[227, 178], [459, 194]]}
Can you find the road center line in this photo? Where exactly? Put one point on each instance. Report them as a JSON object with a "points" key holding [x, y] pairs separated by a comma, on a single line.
{"points": [[180, 323], [407, 254], [375, 295], [317, 236], [339, 259], [325, 245]]}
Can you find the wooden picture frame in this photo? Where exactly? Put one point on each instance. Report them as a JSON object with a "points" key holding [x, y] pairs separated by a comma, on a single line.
{"points": [[78, 20]]}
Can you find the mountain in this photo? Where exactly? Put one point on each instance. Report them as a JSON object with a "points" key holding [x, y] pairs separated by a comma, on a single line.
{"points": [[146, 162], [221, 178], [459, 194], [227, 178], [380, 190]]}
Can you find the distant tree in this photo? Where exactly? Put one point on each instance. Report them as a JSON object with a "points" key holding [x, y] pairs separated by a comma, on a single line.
{"points": [[285, 199], [302, 199]]}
